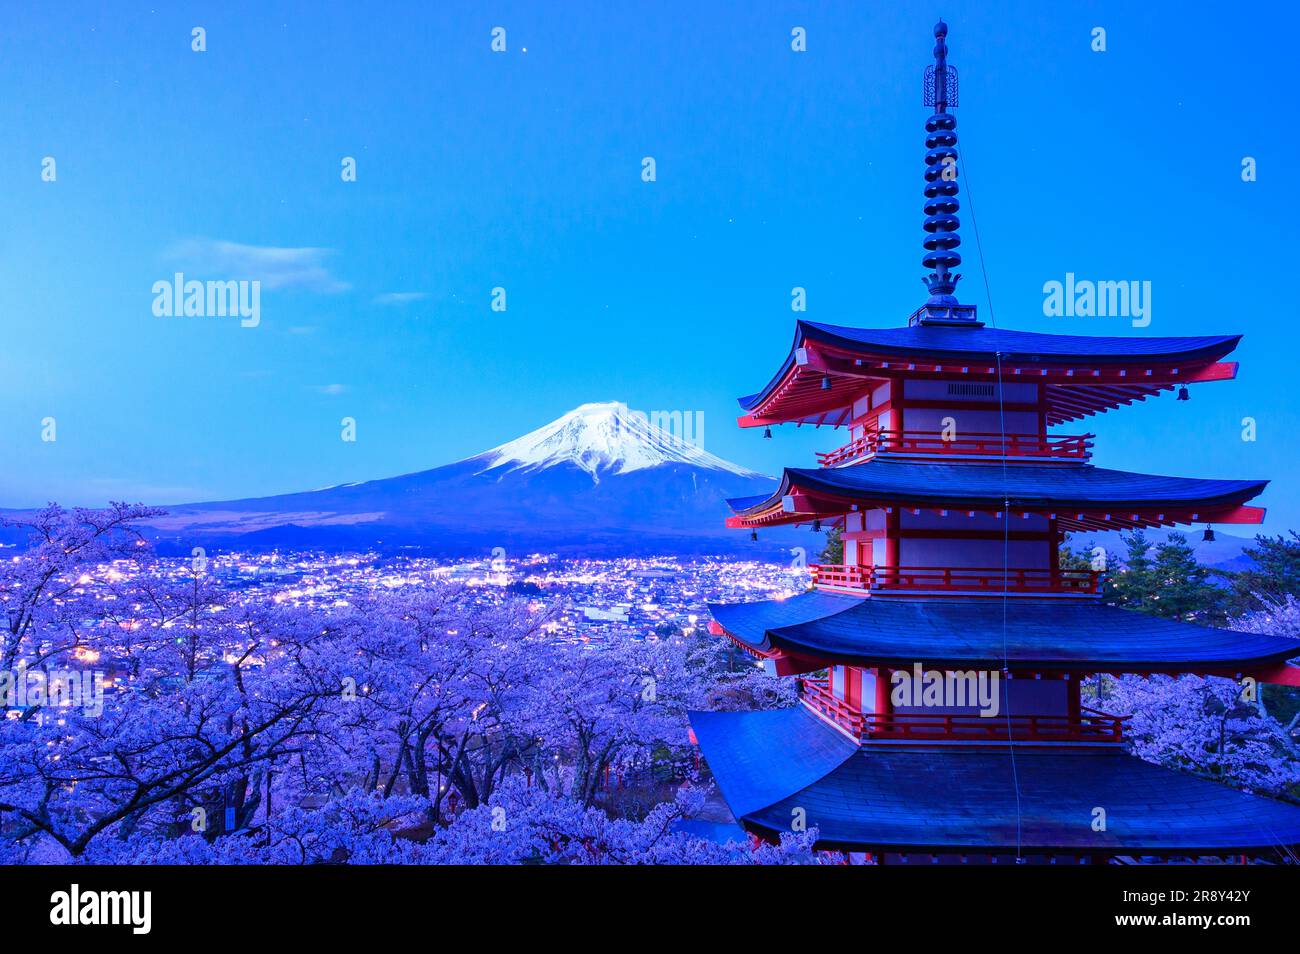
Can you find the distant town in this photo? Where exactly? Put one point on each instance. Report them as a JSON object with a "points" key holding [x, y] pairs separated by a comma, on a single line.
{"points": [[596, 601]]}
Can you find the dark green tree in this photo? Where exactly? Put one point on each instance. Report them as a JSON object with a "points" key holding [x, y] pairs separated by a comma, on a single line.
{"points": [[833, 554], [1073, 559], [1274, 576], [1165, 579], [1131, 585]]}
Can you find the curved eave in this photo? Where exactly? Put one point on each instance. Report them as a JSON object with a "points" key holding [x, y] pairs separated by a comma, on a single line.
{"points": [[743, 625], [741, 504], [1027, 634], [1081, 496], [1084, 375], [775, 765], [941, 800], [1018, 346], [749, 753]]}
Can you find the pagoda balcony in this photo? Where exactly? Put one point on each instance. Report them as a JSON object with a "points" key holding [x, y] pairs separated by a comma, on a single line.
{"points": [[956, 580], [1091, 725], [936, 444]]}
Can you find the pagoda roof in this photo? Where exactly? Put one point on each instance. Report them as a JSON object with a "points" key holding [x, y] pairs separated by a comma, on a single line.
{"points": [[1085, 374], [1070, 488], [1030, 346], [747, 757], [742, 504], [972, 632], [967, 798]]}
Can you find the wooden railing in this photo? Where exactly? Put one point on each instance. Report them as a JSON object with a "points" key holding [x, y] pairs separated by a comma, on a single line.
{"points": [[966, 579], [845, 577], [1077, 447], [956, 579], [817, 695], [1091, 725], [1088, 727], [864, 446]]}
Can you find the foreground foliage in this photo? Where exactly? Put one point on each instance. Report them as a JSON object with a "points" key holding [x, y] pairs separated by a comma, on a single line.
{"points": [[426, 725]]}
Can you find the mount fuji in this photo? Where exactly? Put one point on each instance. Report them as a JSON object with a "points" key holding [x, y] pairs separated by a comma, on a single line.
{"points": [[600, 480], [602, 440]]}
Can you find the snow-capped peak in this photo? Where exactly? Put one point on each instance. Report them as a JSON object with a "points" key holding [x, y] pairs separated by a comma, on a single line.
{"points": [[610, 438]]}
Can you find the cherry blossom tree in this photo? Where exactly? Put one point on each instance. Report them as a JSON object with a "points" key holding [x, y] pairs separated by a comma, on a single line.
{"points": [[211, 695], [530, 825], [41, 598], [1216, 727], [1203, 725], [400, 729]]}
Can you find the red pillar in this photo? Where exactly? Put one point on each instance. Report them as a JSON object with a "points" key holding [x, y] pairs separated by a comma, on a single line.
{"points": [[893, 523], [853, 687], [883, 705], [1042, 412]]}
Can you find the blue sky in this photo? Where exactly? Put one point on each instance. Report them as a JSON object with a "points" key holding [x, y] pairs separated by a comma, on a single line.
{"points": [[522, 169]]}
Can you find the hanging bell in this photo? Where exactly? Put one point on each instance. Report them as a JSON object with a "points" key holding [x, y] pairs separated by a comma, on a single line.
{"points": [[1182, 394], [1208, 535]]}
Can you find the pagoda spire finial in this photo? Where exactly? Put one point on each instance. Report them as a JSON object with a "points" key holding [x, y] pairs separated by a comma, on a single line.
{"points": [[941, 188]]}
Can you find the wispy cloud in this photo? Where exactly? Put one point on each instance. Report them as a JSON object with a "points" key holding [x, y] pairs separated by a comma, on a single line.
{"points": [[274, 267], [330, 388], [400, 298]]}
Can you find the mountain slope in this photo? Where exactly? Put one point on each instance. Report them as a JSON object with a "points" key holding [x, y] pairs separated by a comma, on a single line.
{"points": [[607, 438], [598, 480], [1225, 552]]}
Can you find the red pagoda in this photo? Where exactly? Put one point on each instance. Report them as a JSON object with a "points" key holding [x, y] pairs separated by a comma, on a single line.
{"points": [[953, 497]]}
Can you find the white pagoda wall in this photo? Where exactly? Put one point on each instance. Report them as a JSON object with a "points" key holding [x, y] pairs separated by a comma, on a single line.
{"points": [[1028, 554]]}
